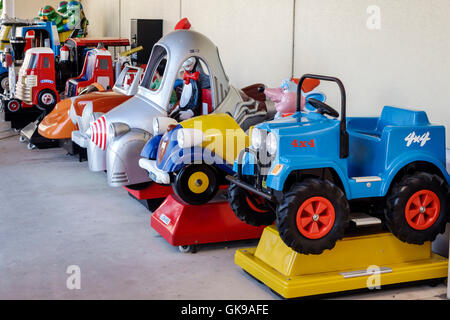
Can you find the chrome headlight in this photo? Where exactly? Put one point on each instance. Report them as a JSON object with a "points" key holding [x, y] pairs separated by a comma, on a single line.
{"points": [[161, 125], [87, 117], [271, 143], [72, 114], [189, 137], [116, 129], [256, 139], [155, 126]]}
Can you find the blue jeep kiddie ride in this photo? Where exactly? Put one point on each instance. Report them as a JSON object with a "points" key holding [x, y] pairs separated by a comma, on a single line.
{"points": [[306, 172]]}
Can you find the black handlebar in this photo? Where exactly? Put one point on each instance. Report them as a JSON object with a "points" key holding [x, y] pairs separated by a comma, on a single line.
{"points": [[344, 145]]}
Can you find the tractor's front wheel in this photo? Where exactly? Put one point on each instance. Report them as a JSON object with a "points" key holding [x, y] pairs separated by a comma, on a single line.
{"points": [[249, 207], [417, 208], [196, 183], [313, 216]]}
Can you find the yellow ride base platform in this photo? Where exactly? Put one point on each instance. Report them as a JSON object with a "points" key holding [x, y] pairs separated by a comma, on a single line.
{"points": [[356, 262]]}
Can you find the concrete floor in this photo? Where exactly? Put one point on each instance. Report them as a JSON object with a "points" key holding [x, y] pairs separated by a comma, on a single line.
{"points": [[55, 213]]}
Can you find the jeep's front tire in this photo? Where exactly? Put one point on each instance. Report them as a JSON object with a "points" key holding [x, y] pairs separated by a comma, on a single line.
{"points": [[249, 207], [313, 216], [417, 208]]}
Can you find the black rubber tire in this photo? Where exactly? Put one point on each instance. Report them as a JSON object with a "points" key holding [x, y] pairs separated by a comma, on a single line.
{"points": [[287, 213], [181, 187], [238, 202], [396, 202], [46, 107]]}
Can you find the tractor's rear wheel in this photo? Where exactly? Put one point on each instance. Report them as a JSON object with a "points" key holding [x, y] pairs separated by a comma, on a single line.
{"points": [[249, 207], [417, 208], [313, 216]]}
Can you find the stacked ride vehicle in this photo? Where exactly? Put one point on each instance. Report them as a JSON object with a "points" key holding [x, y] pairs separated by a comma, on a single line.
{"points": [[71, 117], [8, 30], [37, 85], [67, 62], [308, 170], [23, 37]]}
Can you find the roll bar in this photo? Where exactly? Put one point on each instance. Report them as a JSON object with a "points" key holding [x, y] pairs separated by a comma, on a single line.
{"points": [[344, 144]]}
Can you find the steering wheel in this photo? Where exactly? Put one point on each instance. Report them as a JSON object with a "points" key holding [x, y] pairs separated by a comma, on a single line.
{"points": [[323, 108]]}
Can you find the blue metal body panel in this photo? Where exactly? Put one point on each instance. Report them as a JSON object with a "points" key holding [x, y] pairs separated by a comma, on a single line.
{"points": [[379, 148], [150, 149], [48, 27], [175, 157]]}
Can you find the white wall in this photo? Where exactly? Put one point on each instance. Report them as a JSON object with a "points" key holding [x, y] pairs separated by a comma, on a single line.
{"points": [[404, 63], [28, 9], [254, 38]]}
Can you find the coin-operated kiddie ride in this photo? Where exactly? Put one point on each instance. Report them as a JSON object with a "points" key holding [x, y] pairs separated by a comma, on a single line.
{"points": [[39, 83], [24, 36], [310, 170], [25, 100], [195, 155], [122, 132], [71, 117]]}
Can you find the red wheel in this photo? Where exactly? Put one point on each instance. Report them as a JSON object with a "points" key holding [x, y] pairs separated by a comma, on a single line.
{"points": [[13, 105], [256, 203], [47, 99], [312, 216], [315, 217], [417, 207], [250, 207], [422, 209]]}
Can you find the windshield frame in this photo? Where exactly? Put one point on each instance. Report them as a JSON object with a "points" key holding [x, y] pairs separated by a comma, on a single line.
{"points": [[159, 52]]}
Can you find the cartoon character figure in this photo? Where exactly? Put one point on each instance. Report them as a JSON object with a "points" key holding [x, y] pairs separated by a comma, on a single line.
{"points": [[76, 19], [62, 8], [48, 13], [285, 97], [194, 82]]}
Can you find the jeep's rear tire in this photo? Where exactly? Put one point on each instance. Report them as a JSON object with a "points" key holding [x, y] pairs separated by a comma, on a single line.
{"points": [[196, 183], [250, 208], [313, 216], [417, 208]]}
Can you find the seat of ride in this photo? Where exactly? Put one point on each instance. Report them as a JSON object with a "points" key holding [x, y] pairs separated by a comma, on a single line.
{"points": [[207, 106], [373, 127], [369, 138]]}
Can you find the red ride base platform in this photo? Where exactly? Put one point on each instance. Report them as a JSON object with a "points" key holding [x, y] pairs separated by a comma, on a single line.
{"points": [[184, 225], [150, 196]]}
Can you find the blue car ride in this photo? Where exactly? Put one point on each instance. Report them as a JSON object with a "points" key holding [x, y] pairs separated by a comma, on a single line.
{"points": [[308, 170]]}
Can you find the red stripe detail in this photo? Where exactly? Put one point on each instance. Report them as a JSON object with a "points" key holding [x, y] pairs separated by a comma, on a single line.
{"points": [[92, 132], [96, 133], [105, 134]]}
